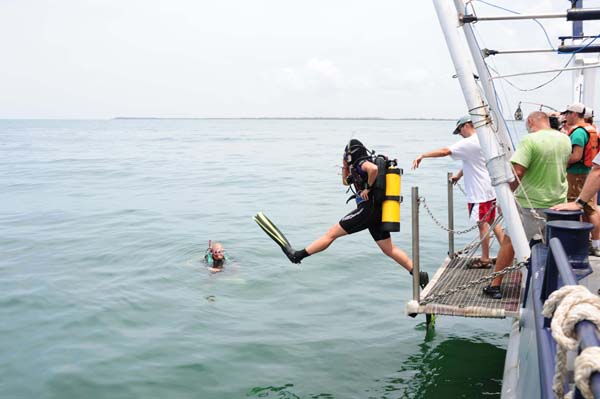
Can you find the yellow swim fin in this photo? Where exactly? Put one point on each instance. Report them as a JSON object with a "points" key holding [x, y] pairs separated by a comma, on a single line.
{"points": [[271, 230]]}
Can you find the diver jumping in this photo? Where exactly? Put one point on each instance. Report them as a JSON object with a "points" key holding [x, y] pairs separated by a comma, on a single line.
{"points": [[365, 173]]}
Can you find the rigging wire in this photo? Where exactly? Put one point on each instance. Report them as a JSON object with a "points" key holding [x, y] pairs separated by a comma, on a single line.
{"points": [[499, 114], [518, 13], [573, 53], [547, 37]]}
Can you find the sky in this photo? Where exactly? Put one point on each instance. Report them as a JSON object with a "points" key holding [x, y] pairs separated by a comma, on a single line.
{"points": [[263, 58]]}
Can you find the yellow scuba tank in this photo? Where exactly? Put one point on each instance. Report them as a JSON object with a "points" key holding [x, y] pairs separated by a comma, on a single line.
{"points": [[390, 213]]}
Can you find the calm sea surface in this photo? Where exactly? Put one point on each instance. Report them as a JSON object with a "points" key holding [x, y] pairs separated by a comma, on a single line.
{"points": [[103, 292]]}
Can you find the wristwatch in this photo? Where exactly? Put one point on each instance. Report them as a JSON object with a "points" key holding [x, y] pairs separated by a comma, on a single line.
{"points": [[580, 203]]}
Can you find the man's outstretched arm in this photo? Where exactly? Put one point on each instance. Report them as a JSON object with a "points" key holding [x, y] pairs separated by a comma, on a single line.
{"points": [[440, 152]]}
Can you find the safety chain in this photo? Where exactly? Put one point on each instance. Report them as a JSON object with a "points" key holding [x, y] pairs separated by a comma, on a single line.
{"points": [[473, 283], [440, 225], [475, 244], [457, 184]]}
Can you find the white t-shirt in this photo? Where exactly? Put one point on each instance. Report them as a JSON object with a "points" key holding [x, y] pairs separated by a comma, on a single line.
{"points": [[478, 185]]}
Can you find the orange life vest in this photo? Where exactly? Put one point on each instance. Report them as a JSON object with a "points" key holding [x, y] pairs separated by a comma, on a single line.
{"points": [[591, 148]]}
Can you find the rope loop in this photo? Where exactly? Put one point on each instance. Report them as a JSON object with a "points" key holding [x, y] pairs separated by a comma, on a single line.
{"points": [[567, 307], [587, 363]]}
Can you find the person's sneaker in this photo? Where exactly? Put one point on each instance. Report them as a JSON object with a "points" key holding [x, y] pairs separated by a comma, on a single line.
{"points": [[423, 279], [595, 251], [492, 292], [291, 254]]}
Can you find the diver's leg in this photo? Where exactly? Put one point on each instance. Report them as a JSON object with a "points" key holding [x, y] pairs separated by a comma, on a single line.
{"points": [[353, 222], [321, 243], [388, 248]]}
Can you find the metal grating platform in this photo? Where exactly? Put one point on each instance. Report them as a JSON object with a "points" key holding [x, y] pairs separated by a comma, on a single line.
{"points": [[471, 302]]}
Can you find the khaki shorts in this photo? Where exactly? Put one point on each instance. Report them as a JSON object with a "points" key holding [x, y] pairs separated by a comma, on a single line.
{"points": [[534, 224], [575, 186]]}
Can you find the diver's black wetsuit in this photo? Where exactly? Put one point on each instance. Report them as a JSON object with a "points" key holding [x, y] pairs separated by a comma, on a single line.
{"points": [[367, 213]]}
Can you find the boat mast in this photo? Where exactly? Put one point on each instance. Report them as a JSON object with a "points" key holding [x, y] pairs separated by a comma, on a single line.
{"points": [[584, 87], [487, 84], [479, 111]]}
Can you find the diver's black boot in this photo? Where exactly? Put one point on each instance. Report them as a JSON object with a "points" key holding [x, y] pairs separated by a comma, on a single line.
{"points": [[291, 254]]}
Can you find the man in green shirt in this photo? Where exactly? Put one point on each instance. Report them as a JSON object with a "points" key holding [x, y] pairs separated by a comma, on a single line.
{"points": [[539, 164]]}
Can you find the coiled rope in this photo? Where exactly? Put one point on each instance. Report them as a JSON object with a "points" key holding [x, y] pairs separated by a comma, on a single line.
{"points": [[567, 307]]}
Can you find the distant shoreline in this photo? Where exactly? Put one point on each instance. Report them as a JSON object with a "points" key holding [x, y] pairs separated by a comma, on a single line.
{"points": [[292, 118], [308, 118]]}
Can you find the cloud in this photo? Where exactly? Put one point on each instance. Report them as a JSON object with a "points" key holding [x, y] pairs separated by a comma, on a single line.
{"points": [[316, 75], [321, 75]]}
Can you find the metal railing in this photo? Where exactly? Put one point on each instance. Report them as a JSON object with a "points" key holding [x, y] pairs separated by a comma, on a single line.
{"points": [[558, 269], [415, 242], [415, 203]]}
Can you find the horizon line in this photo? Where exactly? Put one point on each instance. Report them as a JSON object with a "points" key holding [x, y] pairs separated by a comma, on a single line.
{"points": [[366, 118]]}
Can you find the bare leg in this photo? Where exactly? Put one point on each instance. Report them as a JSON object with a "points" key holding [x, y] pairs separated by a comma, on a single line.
{"points": [[506, 254], [485, 241], [321, 244], [395, 253], [594, 218], [499, 233]]}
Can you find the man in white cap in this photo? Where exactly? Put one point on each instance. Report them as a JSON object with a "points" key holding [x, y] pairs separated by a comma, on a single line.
{"points": [[584, 143], [589, 117], [481, 197]]}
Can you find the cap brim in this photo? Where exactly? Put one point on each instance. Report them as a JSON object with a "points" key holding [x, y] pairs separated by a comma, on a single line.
{"points": [[457, 130]]}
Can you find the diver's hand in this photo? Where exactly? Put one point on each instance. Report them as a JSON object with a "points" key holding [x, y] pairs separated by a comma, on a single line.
{"points": [[454, 179], [364, 194], [417, 161]]}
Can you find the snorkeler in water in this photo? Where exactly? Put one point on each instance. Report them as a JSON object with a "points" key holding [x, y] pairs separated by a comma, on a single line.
{"points": [[215, 257]]}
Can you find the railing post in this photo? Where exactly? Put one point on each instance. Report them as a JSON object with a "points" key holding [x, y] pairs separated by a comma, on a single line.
{"points": [[415, 241], [450, 216]]}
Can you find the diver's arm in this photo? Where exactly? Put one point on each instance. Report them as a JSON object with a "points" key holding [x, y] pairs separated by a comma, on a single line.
{"points": [[345, 173], [371, 170], [440, 152]]}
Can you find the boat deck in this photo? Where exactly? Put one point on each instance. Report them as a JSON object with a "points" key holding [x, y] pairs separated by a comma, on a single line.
{"points": [[470, 302]]}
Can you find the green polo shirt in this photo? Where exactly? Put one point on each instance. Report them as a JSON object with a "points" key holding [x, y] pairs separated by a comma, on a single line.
{"points": [[544, 154]]}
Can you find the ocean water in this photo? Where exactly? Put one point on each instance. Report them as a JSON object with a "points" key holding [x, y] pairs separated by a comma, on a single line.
{"points": [[103, 292]]}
